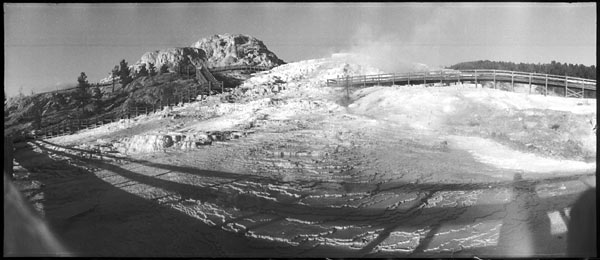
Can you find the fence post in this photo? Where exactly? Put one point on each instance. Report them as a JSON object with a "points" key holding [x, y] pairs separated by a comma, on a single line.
{"points": [[582, 90], [546, 89], [494, 80], [424, 78], [347, 86], [442, 78], [475, 78], [530, 75], [409, 78], [566, 85], [512, 80], [394, 78]]}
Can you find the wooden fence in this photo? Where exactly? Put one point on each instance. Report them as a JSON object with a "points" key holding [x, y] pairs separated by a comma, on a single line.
{"points": [[239, 67], [182, 95], [574, 87], [204, 75], [70, 126]]}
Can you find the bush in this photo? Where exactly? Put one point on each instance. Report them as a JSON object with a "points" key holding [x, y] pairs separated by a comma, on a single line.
{"points": [[142, 72], [164, 68]]}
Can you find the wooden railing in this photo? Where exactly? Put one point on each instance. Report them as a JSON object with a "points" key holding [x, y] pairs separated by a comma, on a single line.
{"points": [[205, 78], [239, 67], [208, 76], [71, 126], [574, 87]]}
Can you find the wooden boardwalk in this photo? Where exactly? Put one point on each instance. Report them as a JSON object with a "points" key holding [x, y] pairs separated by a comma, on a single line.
{"points": [[574, 87]]}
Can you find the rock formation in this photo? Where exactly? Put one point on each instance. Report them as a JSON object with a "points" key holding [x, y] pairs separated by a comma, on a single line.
{"points": [[237, 49], [172, 57], [214, 51]]}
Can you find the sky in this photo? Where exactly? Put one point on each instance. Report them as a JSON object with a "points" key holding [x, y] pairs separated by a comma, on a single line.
{"points": [[47, 46]]}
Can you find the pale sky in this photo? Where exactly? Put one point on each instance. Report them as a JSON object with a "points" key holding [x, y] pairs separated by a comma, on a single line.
{"points": [[48, 45]]}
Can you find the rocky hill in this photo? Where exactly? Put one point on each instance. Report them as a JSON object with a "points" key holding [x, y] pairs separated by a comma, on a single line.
{"points": [[31, 112], [173, 56], [237, 49], [215, 51]]}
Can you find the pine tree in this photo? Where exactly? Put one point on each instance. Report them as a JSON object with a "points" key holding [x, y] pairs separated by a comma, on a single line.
{"points": [[36, 112], [97, 93], [97, 99], [124, 73], [114, 74], [142, 72], [82, 95]]}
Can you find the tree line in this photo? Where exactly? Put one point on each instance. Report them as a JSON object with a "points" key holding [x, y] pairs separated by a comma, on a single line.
{"points": [[89, 97], [555, 68]]}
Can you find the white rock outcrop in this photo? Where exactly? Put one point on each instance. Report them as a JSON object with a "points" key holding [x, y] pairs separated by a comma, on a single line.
{"points": [[147, 143], [215, 51], [173, 56], [237, 49]]}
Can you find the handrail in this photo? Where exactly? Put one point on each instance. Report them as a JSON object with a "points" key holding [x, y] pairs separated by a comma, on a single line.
{"points": [[72, 125], [520, 73], [239, 67], [445, 74]]}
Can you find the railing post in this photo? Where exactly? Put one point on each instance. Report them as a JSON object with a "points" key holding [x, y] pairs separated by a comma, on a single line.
{"points": [[566, 85], [582, 89], [347, 86], [394, 78], [424, 78], [530, 75], [494, 79], [546, 89], [475, 78], [409, 78], [365, 81], [512, 80], [442, 78]]}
